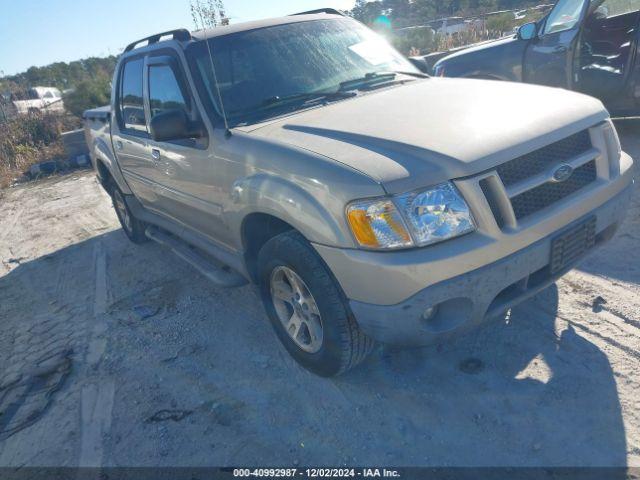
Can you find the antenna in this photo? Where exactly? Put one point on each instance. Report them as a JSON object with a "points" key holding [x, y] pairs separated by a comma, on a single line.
{"points": [[213, 69]]}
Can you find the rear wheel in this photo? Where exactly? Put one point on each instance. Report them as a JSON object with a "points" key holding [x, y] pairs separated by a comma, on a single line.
{"points": [[307, 307], [132, 227]]}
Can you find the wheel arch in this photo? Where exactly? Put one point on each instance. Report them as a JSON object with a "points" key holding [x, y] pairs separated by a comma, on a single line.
{"points": [[104, 176], [256, 230], [269, 205], [106, 166]]}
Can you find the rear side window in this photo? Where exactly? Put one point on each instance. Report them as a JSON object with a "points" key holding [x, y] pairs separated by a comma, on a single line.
{"points": [[164, 91], [131, 103]]}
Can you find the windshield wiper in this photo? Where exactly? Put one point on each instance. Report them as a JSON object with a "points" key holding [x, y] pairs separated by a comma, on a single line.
{"points": [[368, 79], [277, 104], [305, 98], [375, 78]]}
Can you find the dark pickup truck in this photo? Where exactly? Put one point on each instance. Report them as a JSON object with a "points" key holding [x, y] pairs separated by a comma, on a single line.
{"points": [[590, 46]]}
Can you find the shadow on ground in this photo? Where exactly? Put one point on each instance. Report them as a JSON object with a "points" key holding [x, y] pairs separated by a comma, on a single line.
{"points": [[201, 380]]}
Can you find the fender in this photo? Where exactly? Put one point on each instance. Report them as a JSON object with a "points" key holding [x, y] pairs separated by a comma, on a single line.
{"points": [[501, 59], [272, 195]]}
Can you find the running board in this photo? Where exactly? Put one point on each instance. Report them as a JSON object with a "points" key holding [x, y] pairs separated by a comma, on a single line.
{"points": [[221, 276]]}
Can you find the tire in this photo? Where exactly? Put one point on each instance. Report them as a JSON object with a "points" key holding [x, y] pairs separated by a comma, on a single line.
{"points": [[343, 345], [133, 228]]}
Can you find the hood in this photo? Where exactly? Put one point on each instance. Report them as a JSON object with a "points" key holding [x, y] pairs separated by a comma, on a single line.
{"points": [[430, 131], [501, 59], [504, 42]]}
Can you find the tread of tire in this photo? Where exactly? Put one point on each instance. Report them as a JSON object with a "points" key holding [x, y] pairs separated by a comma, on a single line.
{"points": [[354, 341], [138, 235]]}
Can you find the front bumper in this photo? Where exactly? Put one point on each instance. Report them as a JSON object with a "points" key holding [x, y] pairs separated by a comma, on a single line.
{"points": [[471, 278], [468, 300]]}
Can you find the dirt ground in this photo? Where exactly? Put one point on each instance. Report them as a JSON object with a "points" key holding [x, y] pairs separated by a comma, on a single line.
{"points": [[114, 354]]}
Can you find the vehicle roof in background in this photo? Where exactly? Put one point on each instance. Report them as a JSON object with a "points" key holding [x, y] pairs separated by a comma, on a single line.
{"points": [[43, 90]]}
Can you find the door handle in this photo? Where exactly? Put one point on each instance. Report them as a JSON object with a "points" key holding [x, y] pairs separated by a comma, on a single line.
{"points": [[119, 145], [155, 155], [559, 49]]}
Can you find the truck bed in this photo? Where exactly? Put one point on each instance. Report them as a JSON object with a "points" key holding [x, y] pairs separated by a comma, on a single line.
{"points": [[97, 133]]}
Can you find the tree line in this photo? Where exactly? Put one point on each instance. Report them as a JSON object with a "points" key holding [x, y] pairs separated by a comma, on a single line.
{"points": [[414, 12], [60, 74], [86, 80]]}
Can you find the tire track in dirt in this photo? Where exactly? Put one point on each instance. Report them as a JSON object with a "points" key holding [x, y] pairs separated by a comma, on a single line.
{"points": [[97, 396]]}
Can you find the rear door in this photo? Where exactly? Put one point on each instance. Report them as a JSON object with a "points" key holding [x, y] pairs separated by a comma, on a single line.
{"points": [[549, 58], [129, 132]]}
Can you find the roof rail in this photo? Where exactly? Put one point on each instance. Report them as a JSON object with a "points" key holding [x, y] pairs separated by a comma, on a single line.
{"points": [[330, 11], [178, 34]]}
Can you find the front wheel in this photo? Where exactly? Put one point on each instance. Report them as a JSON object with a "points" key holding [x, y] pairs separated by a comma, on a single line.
{"points": [[307, 307]]}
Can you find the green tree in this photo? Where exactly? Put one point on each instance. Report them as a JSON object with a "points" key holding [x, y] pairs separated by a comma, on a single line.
{"points": [[366, 11], [89, 94], [60, 74]]}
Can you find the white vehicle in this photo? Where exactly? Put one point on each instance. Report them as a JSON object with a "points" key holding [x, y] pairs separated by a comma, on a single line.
{"points": [[40, 99], [451, 25]]}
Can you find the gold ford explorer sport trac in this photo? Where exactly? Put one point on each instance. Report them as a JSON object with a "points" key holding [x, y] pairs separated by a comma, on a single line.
{"points": [[365, 200]]}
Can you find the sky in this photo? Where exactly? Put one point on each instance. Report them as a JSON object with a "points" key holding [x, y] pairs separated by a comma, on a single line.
{"points": [[40, 32]]}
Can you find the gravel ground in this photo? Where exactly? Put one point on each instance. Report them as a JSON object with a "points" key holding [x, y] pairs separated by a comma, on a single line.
{"points": [[119, 355]]}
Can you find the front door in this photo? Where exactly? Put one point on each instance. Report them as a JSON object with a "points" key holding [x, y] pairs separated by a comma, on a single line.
{"points": [[608, 65], [184, 169], [549, 58]]}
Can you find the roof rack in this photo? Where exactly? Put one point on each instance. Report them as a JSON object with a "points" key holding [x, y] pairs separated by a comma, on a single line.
{"points": [[329, 11], [178, 34]]}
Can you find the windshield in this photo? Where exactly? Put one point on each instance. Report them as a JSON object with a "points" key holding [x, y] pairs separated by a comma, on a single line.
{"points": [[256, 66]]}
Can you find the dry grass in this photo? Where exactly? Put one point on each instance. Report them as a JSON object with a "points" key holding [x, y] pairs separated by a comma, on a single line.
{"points": [[23, 161], [422, 40], [27, 140]]}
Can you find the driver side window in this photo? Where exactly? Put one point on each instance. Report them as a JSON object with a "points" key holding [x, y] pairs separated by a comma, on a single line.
{"points": [[564, 16]]}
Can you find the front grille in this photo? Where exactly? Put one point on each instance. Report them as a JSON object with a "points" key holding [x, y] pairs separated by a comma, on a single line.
{"points": [[541, 160], [547, 194]]}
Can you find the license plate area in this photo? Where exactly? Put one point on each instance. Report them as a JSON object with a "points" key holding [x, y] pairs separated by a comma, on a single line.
{"points": [[572, 244]]}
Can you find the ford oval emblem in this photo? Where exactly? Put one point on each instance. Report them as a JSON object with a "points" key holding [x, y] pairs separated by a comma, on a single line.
{"points": [[562, 173]]}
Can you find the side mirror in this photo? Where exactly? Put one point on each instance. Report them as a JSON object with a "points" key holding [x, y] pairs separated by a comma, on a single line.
{"points": [[174, 125], [527, 31]]}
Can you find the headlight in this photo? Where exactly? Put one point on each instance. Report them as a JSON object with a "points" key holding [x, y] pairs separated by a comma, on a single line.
{"points": [[436, 214], [424, 218], [377, 224]]}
